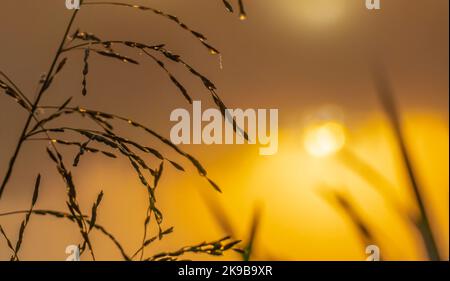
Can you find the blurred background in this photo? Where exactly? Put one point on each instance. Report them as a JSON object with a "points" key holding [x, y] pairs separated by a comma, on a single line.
{"points": [[311, 59]]}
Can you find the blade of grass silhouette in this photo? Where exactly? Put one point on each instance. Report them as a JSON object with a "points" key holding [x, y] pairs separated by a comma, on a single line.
{"points": [[219, 213], [248, 251], [58, 214], [344, 203], [34, 107], [377, 180], [24, 223], [93, 219], [386, 96], [8, 241]]}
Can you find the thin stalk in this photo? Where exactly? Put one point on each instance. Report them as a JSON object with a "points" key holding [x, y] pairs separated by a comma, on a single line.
{"points": [[103, 43], [423, 223], [34, 107], [68, 216], [22, 95], [144, 237], [377, 180]]}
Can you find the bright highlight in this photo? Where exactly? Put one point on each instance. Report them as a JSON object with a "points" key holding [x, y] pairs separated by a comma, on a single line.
{"points": [[324, 139]]}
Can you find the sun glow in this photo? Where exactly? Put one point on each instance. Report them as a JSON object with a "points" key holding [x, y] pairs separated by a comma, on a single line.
{"points": [[317, 12], [324, 139]]}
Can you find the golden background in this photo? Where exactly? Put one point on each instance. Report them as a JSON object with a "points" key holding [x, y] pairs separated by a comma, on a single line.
{"points": [[303, 57]]}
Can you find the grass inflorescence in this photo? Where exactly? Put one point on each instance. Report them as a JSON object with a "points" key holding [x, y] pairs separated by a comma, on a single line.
{"points": [[105, 140]]}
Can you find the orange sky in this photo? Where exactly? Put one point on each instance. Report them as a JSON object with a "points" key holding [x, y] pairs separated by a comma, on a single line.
{"points": [[299, 56]]}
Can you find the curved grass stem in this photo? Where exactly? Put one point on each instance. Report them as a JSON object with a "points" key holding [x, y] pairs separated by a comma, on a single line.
{"points": [[35, 105]]}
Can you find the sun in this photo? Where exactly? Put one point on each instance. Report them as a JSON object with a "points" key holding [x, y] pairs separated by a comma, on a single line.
{"points": [[325, 138]]}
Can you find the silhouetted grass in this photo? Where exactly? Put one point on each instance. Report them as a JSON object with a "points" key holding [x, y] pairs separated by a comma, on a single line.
{"points": [[223, 220], [105, 140], [343, 203], [422, 221]]}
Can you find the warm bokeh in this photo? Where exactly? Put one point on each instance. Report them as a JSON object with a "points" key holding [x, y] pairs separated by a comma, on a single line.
{"points": [[309, 59]]}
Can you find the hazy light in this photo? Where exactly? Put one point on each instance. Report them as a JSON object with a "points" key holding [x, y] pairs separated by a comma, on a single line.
{"points": [[316, 12], [324, 139]]}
